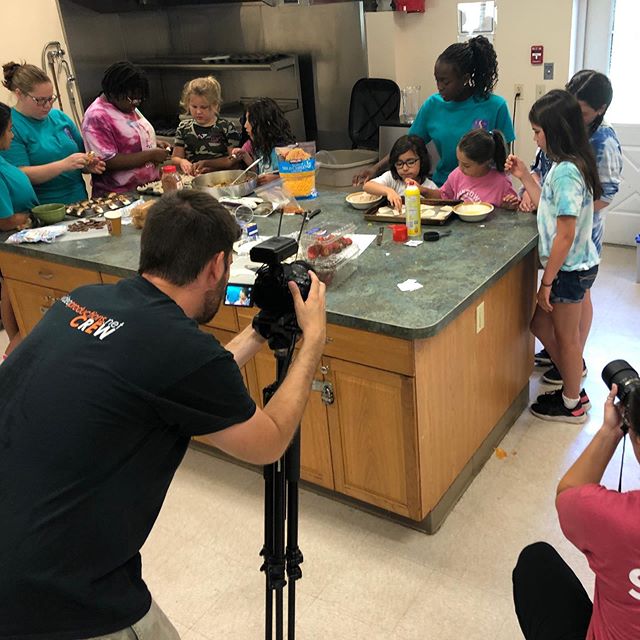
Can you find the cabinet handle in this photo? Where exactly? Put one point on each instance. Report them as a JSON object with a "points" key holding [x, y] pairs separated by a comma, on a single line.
{"points": [[324, 369], [44, 310], [328, 340], [45, 275]]}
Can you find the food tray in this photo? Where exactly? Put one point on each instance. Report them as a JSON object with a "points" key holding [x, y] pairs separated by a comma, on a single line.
{"points": [[441, 217], [99, 206], [155, 188]]}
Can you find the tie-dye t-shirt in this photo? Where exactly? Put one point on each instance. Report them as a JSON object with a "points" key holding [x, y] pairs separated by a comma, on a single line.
{"points": [[108, 131], [565, 193]]}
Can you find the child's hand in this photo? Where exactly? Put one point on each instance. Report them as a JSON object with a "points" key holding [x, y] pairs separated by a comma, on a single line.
{"points": [[543, 299], [241, 154], [200, 167], [510, 201], [526, 204], [394, 199], [185, 166], [410, 182], [516, 167]]}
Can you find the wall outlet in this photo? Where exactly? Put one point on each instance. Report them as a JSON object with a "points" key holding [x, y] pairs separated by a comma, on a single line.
{"points": [[480, 317], [518, 90], [540, 91]]}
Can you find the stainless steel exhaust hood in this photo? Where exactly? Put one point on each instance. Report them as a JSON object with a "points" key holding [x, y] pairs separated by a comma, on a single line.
{"points": [[122, 6]]}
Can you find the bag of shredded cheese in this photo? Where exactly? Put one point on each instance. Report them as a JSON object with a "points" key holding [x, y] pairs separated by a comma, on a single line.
{"points": [[297, 166]]}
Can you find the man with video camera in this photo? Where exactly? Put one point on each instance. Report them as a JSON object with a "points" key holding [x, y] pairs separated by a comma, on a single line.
{"points": [[97, 408], [550, 601]]}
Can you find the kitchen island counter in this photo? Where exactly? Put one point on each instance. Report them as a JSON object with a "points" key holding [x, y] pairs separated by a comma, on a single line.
{"points": [[414, 390]]}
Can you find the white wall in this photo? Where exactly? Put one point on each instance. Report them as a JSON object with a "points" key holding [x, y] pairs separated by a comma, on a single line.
{"points": [[27, 26], [404, 47]]}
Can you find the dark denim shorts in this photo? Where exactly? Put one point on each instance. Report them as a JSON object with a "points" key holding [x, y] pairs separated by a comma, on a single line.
{"points": [[570, 286]]}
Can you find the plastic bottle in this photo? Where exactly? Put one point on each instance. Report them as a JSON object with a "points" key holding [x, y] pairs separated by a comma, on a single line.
{"points": [[412, 211], [170, 179]]}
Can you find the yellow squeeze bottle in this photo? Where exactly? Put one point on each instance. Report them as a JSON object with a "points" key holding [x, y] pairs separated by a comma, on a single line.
{"points": [[412, 211]]}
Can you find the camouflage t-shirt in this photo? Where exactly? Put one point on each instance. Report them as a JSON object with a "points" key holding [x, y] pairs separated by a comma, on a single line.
{"points": [[206, 143]]}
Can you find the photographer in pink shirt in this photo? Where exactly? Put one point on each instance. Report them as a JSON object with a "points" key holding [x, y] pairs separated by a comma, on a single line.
{"points": [[549, 599]]}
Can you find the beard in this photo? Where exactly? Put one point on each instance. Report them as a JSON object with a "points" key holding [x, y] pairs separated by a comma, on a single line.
{"points": [[211, 303]]}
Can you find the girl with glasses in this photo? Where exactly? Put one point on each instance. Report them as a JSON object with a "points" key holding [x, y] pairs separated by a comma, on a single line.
{"points": [[47, 145], [115, 129], [409, 161]]}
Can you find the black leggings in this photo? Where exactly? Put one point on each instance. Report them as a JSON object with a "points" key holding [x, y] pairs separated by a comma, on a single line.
{"points": [[550, 601]]}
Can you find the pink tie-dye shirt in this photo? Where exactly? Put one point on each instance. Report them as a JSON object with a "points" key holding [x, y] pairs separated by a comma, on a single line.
{"points": [[108, 131]]}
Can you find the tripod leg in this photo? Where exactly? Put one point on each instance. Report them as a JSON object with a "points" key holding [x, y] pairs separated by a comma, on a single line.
{"points": [[267, 549], [294, 555]]}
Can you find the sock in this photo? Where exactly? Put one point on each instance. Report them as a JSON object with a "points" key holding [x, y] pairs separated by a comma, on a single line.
{"points": [[570, 403]]}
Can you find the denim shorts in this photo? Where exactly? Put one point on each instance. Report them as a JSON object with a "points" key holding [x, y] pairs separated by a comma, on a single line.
{"points": [[570, 286]]}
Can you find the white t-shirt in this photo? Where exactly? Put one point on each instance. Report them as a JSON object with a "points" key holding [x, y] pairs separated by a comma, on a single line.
{"points": [[387, 180]]}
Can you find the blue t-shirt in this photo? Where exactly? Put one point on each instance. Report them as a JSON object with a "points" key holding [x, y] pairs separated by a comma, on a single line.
{"points": [[38, 142], [16, 193], [565, 193], [446, 122]]}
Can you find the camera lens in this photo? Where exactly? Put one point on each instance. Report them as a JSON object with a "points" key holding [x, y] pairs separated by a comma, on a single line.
{"points": [[620, 372]]}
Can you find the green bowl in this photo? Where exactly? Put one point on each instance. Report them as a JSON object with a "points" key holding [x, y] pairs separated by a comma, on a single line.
{"points": [[50, 213]]}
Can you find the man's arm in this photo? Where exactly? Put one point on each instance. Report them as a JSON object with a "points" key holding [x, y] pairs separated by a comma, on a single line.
{"points": [[265, 437], [245, 345], [590, 466]]}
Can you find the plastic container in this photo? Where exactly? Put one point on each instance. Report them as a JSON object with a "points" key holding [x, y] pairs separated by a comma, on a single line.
{"points": [[412, 212], [170, 179], [399, 232], [337, 168], [328, 249]]}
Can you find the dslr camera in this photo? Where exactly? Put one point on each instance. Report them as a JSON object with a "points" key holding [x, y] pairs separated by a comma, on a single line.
{"points": [[620, 372], [276, 320]]}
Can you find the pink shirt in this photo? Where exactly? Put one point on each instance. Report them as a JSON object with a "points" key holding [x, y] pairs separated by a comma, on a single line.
{"points": [[605, 526], [108, 131], [491, 188]]}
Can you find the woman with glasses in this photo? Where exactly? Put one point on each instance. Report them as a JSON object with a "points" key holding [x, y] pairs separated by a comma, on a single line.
{"points": [[47, 145], [117, 132]]}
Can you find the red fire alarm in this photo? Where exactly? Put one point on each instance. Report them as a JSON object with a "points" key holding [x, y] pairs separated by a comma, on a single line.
{"points": [[537, 51], [409, 6]]}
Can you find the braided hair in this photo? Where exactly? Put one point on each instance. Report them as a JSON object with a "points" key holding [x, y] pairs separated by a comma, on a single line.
{"points": [[123, 79], [477, 58], [595, 89]]}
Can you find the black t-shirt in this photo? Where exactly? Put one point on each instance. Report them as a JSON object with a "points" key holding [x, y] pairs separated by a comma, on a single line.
{"points": [[96, 409]]}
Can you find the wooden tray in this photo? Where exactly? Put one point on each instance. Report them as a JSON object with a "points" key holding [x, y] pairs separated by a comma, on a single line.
{"points": [[437, 220]]}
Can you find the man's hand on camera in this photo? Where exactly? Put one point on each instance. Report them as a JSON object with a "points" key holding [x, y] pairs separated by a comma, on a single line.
{"points": [[612, 421], [310, 313]]}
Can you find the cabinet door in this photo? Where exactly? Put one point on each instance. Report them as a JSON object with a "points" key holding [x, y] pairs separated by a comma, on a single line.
{"points": [[30, 302], [315, 448], [373, 436]]}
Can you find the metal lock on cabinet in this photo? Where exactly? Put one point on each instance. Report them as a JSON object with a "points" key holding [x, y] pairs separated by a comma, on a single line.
{"points": [[326, 391]]}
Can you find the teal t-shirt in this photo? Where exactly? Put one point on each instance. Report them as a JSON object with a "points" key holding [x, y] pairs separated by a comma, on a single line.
{"points": [[16, 193], [565, 193], [446, 122], [38, 142]]}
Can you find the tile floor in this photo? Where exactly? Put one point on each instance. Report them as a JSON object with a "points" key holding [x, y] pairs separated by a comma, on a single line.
{"points": [[369, 579]]}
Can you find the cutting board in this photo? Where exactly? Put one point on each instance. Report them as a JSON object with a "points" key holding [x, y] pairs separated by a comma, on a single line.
{"points": [[441, 216]]}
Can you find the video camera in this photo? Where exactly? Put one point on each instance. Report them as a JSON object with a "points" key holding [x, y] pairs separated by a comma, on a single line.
{"points": [[276, 320], [620, 372]]}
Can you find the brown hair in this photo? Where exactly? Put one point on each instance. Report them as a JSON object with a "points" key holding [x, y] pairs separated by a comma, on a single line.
{"points": [[22, 76], [208, 88]]}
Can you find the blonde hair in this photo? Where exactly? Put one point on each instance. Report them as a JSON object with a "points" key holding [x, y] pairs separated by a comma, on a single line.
{"points": [[22, 76], [208, 88]]}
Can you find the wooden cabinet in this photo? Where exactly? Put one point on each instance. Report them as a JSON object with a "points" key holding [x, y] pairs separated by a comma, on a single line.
{"points": [[30, 302]]}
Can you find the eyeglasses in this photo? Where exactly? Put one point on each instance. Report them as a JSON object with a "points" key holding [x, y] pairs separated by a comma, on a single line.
{"points": [[134, 101], [43, 102], [408, 163]]}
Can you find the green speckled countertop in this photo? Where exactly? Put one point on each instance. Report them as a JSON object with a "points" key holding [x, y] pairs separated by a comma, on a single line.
{"points": [[453, 271]]}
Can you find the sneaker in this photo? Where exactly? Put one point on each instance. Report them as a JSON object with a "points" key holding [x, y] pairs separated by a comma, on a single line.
{"points": [[555, 411], [547, 397], [542, 359], [552, 376]]}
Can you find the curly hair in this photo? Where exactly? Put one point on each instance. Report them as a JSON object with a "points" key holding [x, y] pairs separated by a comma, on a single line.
{"points": [[477, 58], [418, 146], [269, 126]]}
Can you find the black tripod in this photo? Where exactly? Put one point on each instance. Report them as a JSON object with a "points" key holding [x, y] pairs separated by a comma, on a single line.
{"points": [[281, 495]]}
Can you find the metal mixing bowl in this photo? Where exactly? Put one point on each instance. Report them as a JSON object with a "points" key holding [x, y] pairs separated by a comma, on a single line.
{"points": [[208, 182]]}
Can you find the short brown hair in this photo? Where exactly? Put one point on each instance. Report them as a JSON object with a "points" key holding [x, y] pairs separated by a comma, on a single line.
{"points": [[182, 232]]}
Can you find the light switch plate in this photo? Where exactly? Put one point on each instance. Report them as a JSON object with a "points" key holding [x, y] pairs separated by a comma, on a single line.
{"points": [[548, 71]]}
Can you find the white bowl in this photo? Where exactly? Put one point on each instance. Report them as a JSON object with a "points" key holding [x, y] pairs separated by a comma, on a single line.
{"points": [[473, 211], [363, 200]]}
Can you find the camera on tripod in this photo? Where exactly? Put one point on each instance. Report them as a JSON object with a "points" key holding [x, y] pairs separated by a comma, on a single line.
{"points": [[276, 320], [620, 372]]}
